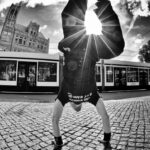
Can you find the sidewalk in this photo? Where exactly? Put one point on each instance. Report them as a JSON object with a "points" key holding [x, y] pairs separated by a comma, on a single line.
{"points": [[27, 126]]}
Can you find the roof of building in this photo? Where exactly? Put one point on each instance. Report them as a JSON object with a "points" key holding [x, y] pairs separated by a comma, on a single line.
{"points": [[20, 27], [23, 28], [41, 35]]}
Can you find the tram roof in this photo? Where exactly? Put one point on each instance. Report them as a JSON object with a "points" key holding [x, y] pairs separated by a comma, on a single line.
{"points": [[25, 55], [44, 56], [125, 63]]}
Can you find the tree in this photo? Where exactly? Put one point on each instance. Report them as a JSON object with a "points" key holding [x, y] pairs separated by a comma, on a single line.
{"points": [[144, 53]]}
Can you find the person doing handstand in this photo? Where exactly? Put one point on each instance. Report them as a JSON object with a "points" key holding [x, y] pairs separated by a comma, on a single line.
{"points": [[81, 52]]}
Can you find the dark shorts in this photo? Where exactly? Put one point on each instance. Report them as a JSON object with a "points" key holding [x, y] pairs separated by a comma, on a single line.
{"points": [[65, 96]]}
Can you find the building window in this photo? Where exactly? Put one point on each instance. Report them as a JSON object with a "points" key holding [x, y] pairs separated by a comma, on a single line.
{"points": [[6, 36], [109, 74], [132, 74], [47, 72], [16, 40], [98, 74], [8, 70], [32, 43], [20, 41]]}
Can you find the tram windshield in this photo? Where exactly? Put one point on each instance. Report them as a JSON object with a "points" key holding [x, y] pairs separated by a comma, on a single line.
{"points": [[8, 70]]}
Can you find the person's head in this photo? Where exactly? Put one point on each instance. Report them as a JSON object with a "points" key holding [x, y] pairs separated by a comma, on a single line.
{"points": [[76, 107]]}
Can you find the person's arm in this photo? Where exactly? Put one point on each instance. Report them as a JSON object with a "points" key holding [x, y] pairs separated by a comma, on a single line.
{"points": [[73, 16], [111, 43]]}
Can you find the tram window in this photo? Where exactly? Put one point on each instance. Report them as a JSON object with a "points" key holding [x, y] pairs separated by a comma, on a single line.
{"points": [[8, 70], [98, 74], [109, 74], [47, 72], [132, 75]]}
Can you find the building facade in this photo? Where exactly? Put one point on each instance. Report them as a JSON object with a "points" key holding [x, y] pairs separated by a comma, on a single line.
{"points": [[19, 38]]}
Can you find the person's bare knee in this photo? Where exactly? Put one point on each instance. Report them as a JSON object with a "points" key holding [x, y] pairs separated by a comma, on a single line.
{"points": [[106, 116], [55, 119], [57, 112], [101, 109]]}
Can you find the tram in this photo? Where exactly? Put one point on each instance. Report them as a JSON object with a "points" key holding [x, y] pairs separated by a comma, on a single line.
{"points": [[36, 72], [114, 74], [29, 72]]}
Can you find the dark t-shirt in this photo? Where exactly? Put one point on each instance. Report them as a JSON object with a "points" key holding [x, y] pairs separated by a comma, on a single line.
{"points": [[79, 83], [79, 72]]}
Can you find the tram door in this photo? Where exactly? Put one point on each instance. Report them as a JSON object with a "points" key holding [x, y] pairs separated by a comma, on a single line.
{"points": [[120, 77], [143, 74], [26, 79]]}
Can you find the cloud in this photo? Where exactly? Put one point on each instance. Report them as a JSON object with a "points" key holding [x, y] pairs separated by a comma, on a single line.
{"points": [[43, 27], [122, 11], [2, 15], [139, 39], [56, 32], [135, 58], [115, 2], [30, 3], [133, 44], [33, 3], [139, 8], [6, 3]]}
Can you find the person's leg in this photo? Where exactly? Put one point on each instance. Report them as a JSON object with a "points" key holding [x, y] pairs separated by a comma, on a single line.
{"points": [[57, 112], [105, 119]]}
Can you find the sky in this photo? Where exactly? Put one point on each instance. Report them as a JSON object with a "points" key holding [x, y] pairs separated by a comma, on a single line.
{"points": [[134, 19]]}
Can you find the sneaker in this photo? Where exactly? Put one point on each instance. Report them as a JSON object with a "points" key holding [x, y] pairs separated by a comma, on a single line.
{"points": [[56, 146]]}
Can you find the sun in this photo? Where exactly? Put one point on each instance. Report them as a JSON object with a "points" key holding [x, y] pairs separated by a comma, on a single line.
{"points": [[92, 23]]}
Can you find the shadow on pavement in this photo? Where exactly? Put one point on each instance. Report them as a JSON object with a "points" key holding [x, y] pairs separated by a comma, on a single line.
{"points": [[125, 94], [50, 98]]}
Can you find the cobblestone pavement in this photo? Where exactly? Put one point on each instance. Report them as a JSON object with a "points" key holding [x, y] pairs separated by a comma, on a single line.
{"points": [[27, 126]]}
